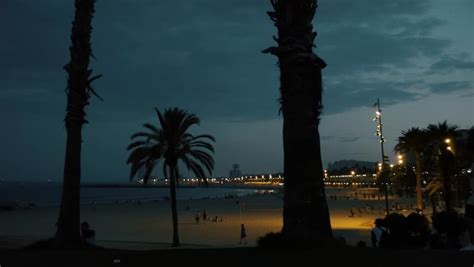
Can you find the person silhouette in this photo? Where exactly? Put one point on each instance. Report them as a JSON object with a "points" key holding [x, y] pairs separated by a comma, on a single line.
{"points": [[243, 234], [87, 234], [198, 216]]}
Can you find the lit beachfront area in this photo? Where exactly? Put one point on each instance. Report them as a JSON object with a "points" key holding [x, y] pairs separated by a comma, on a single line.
{"points": [[147, 225]]}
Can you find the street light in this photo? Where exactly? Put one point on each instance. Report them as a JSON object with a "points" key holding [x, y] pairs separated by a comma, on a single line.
{"points": [[379, 133], [400, 159]]}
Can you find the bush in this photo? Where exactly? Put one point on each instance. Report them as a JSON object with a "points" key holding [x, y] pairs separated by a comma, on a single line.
{"points": [[271, 240], [398, 230], [279, 241], [418, 229], [406, 232], [451, 224]]}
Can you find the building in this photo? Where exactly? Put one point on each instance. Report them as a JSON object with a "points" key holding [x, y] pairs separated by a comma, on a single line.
{"points": [[235, 172]]}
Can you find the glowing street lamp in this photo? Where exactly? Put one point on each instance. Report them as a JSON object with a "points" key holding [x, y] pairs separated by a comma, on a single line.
{"points": [[400, 159], [379, 133]]}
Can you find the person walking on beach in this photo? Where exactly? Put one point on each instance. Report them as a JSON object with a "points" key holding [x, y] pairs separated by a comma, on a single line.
{"points": [[352, 212], [243, 234], [204, 215], [198, 216]]}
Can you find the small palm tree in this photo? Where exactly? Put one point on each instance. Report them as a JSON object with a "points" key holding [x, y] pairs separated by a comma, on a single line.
{"points": [[170, 144], [414, 140]]}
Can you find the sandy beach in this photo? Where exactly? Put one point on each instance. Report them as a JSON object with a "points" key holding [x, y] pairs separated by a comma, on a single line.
{"points": [[148, 225]]}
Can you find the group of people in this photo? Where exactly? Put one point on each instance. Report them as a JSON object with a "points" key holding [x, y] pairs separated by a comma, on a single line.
{"points": [[355, 196], [364, 209], [206, 217]]}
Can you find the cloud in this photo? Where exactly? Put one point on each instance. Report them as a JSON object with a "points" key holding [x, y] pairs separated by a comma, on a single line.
{"points": [[451, 86], [353, 93], [326, 137], [449, 63], [203, 56], [348, 139]]}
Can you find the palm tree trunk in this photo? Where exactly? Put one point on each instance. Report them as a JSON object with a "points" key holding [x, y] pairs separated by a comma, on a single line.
{"points": [[445, 173], [68, 231], [419, 193], [174, 208], [305, 210]]}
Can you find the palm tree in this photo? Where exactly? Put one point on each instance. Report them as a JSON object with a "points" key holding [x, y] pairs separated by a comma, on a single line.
{"points": [[442, 136], [414, 140], [78, 92], [171, 143], [305, 210]]}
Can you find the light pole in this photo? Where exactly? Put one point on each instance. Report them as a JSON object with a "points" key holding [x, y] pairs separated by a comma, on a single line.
{"points": [[379, 133]]}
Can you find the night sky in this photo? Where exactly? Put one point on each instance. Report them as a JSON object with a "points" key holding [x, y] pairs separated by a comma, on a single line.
{"points": [[205, 56]]}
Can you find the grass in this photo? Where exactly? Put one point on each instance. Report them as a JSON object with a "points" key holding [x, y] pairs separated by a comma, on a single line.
{"points": [[345, 256]]}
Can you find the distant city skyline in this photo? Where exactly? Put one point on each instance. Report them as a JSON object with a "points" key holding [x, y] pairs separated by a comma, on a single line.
{"points": [[205, 56]]}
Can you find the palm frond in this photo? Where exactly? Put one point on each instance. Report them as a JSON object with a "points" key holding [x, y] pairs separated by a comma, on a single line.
{"points": [[136, 144], [160, 118], [188, 121], [139, 154], [136, 166], [152, 128], [205, 136], [202, 144], [149, 169], [140, 134], [204, 159], [194, 168]]}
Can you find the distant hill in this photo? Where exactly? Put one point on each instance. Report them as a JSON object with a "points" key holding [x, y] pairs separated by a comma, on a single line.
{"points": [[356, 164]]}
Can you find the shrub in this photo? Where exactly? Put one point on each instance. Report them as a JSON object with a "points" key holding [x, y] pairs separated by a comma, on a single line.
{"points": [[418, 229], [451, 224], [404, 232], [271, 240], [398, 230], [279, 241]]}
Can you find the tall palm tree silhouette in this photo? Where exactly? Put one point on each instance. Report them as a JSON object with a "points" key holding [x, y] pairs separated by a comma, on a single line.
{"points": [[305, 210], [414, 140], [439, 134], [79, 91]]}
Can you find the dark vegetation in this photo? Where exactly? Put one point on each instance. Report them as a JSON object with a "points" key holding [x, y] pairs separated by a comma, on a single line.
{"points": [[413, 231]]}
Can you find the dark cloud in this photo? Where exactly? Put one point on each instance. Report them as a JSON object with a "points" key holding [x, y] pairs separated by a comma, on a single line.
{"points": [[348, 139], [364, 94], [326, 137], [202, 55], [449, 63], [451, 86]]}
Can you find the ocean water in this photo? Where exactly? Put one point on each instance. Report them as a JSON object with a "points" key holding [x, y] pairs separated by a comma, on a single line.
{"points": [[49, 194]]}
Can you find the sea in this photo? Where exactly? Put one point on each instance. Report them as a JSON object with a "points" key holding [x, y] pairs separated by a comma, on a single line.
{"points": [[44, 194]]}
